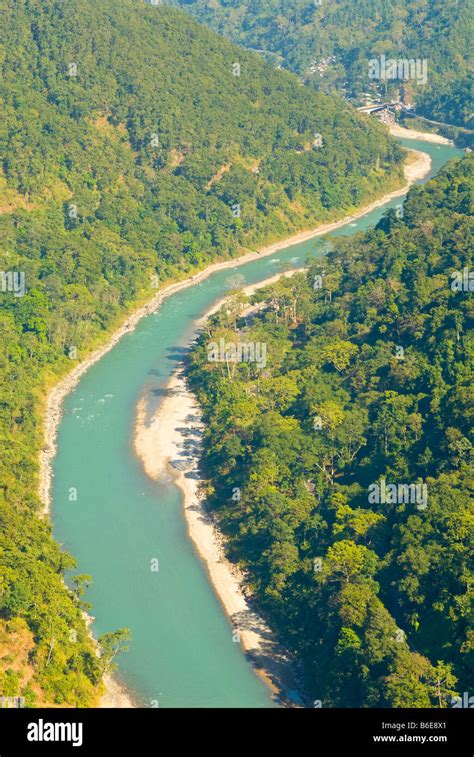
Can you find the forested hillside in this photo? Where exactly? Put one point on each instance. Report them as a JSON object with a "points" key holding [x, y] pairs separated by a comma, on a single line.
{"points": [[340, 467], [339, 37], [131, 153]]}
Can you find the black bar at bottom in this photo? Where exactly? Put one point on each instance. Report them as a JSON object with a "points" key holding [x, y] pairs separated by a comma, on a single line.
{"points": [[89, 732]]}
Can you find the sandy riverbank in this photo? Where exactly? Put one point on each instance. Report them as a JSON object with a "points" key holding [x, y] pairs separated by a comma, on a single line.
{"points": [[256, 634], [116, 696], [414, 170], [425, 136], [169, 448]]}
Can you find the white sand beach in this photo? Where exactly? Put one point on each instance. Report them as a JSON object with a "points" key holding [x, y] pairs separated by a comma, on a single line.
{"points": [[116, 696], [169, 448], [426, 136]]}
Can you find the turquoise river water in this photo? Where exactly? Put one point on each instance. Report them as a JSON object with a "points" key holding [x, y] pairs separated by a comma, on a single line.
{"points": [[182, 653]]}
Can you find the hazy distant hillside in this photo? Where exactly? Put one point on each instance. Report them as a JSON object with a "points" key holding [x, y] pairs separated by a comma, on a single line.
{"points": [[340, 36], [133, 149]]}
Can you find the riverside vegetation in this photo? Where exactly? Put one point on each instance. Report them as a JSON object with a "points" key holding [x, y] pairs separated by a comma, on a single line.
{"points": [[367, 385], [134, 151]]}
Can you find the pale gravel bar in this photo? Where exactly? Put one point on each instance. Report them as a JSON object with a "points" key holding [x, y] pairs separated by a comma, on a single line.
{"points": [[208, 546]]}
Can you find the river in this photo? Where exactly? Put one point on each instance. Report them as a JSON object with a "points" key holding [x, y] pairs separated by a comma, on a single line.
{"points": [[182, 652]]}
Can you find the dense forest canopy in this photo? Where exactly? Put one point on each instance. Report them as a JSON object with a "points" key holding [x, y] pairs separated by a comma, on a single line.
{"points": [[341, 466], [330, 42], [134, 149]]}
